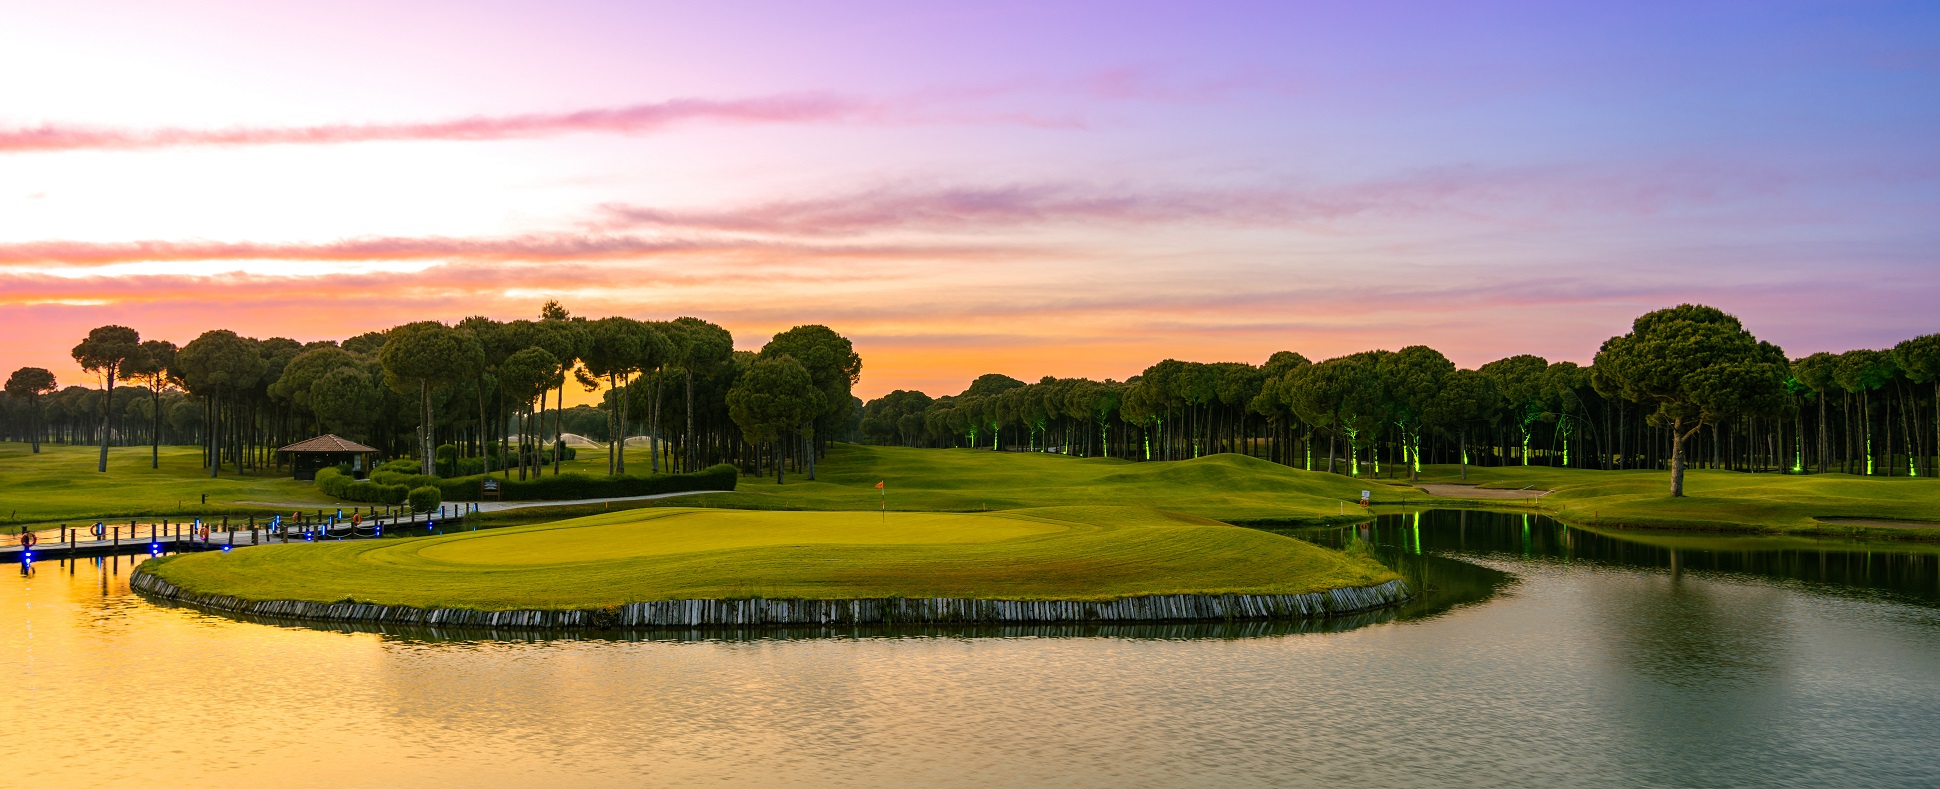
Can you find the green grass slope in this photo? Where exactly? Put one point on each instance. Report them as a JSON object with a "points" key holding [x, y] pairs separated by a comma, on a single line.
{"points": [[1066, 553], [1228, 487], [61, 483], [1720, 499]]}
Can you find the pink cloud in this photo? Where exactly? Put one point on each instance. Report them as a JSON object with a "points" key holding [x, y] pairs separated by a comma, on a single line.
{"points": [[536, 247], [635, 119], [1514, 196]]}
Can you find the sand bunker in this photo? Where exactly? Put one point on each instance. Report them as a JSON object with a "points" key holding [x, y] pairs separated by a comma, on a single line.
{"points": [[1880, 524], [1472, 492]]}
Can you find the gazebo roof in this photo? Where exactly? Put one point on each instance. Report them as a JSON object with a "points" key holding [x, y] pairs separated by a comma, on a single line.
{"points": [[327, 443]]}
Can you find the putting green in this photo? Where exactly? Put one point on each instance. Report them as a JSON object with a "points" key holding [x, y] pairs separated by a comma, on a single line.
{"points": [[1062, 553]]}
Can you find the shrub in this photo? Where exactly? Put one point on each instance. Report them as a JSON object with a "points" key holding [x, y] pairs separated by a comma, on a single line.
{"points": [[332, 482], [401, 465], [389, 477], [425, 499], [587, 486], [335, 484]]}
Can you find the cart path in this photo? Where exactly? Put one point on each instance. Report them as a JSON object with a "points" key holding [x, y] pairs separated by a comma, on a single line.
{"points": [[500, 506]]}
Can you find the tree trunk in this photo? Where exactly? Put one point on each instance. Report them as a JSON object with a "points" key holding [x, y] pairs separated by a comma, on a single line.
{"points": [[484, 437], [1678, 436], [215, 430], [687, 438], [425, 458], [155, 436], [653, 434], [107, 413], [559, 430]]}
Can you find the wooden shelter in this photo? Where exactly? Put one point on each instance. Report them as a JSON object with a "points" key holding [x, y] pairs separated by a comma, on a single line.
{"points": [[309, 457]]}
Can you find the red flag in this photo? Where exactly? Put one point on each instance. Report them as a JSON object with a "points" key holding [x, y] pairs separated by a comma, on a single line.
{"points": [[879, 485]]}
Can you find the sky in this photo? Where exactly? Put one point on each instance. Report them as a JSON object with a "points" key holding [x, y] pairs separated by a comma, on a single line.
{"points": [[1071, 189]]}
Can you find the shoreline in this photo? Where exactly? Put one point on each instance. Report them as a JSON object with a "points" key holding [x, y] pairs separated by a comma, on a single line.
{"points": [[759, 612]]}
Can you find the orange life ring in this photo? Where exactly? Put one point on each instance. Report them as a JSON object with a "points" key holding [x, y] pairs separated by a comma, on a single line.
{"points": [[356, 519], [28, 539]]}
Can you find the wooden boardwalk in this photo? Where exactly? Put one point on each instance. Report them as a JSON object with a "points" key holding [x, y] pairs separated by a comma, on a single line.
{"points": [[177, 537]]}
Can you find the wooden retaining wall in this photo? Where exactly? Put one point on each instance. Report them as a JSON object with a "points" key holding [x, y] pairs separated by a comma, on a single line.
{"points": [[762, 612], [1145, 631]]}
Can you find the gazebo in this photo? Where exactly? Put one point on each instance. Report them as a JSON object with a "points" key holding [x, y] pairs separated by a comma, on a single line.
{"points": [[324, 451]]}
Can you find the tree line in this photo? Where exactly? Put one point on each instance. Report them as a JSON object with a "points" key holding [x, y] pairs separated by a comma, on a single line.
{"points": [[491, 392], [1686, 386]]}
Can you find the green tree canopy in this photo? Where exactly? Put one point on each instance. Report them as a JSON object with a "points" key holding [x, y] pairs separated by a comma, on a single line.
{"points": [[151, 368], [418, 357], [1466, 397], [1411, 378], [1694, 365], [31, 383], [103, 353], [776, 396], [344, 399], [697, 345]]}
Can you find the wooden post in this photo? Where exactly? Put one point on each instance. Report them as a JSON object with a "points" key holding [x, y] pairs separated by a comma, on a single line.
{"points": [[117, 535]]}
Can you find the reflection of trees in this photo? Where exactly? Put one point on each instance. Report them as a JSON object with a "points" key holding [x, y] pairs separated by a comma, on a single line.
{"points": [[1690, 632], [1407, 545]]}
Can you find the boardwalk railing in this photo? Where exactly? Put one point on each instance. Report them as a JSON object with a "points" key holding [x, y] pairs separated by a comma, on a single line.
{"points": [[215, 532]]}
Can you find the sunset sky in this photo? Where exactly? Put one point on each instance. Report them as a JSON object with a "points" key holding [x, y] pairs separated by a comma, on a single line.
{"points": [[1026, 188]]}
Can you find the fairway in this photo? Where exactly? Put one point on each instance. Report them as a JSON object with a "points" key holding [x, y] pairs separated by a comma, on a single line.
{"points": [[1716, 499], [1228, 487], [1061, 553], [61, 483]]}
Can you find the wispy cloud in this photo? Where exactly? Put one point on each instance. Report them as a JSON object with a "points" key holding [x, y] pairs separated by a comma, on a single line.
{"points": [[522, 248], [1511, 195], [634, 119]]}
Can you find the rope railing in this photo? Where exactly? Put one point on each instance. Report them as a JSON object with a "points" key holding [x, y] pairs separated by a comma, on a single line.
{"points": [[222, 532]]}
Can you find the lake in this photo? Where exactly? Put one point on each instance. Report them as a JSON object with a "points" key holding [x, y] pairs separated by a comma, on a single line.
{"points": [[1538, 655]]}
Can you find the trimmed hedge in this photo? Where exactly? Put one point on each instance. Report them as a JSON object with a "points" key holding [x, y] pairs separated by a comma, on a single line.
{"points": [[425, 499], [450, 466], [337, 484], [566, 487]]}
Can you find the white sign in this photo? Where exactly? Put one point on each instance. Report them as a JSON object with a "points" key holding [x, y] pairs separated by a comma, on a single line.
{"points": [[1367, 494]]}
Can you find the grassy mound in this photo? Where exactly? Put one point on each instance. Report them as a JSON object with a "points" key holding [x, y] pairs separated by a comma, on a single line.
{"points": [[1063, 553], [1720, 499], [1228, 487]]}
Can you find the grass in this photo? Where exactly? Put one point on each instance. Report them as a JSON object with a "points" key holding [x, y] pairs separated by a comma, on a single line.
{"points": [[1232, 488], [61, 484], [1066, 553], [1718, 500]]}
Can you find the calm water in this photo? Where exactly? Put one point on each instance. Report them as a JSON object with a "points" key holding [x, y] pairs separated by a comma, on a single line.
{"points": [[1544, 656]]}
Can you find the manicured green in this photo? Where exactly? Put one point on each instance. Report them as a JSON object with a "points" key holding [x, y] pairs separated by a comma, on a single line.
{"points": [[1232, 488], [1716, 499], [61, 484], [1067, 553]]}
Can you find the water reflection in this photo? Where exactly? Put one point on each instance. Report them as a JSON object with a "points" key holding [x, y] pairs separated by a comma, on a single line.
{"points": [[1907, 571], [1156, 631], [1542, 657]]}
